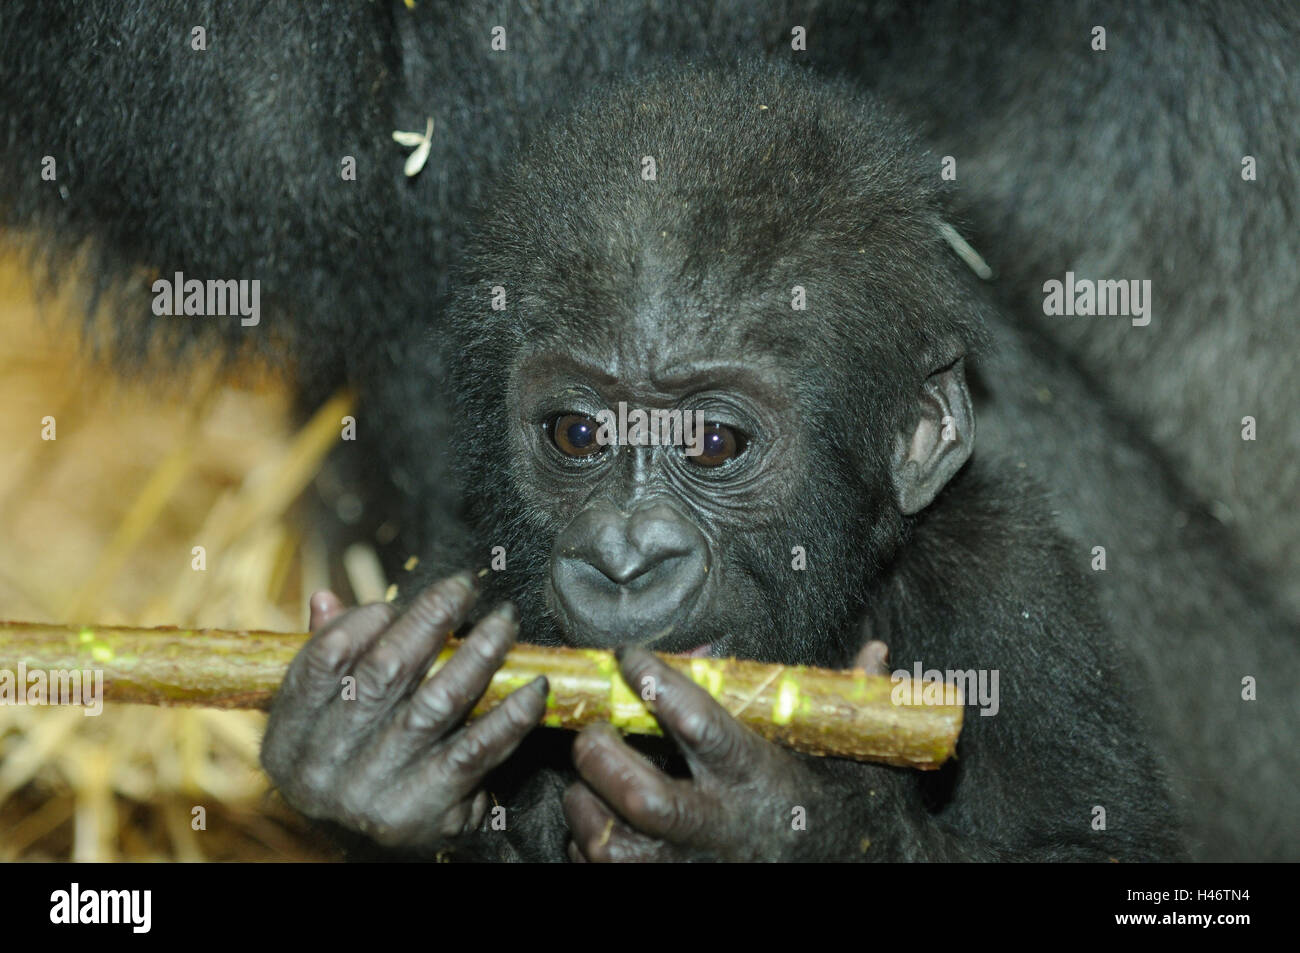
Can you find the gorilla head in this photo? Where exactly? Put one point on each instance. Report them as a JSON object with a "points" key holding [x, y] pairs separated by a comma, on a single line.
{"points": [[743, 248]]}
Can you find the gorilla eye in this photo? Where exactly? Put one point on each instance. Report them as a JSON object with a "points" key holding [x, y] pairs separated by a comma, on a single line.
{"points": [[721, 445], [574, 435]]}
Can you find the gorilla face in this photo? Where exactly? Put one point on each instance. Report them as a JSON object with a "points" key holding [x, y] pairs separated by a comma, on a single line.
{"points": [[650, 527]]}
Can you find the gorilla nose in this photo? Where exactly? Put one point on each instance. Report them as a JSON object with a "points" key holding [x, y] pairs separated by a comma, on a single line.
{"points": [[622, 578], [636, 565], [645, 550]]}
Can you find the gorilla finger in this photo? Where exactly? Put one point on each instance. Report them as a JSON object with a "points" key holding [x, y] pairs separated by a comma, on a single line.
{"points": [[329, 725], [316, 673], [640, 793], [710, 738], [398, 660], [324, 607], [445, 699], [873, 658], [590, 822], [488, 741], [596, 833]]}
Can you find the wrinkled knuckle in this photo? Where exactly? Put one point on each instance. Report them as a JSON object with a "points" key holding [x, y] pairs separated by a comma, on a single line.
{"points": [[465, 756], [376, 615], [317, 778], [641, 803], [327, 654], [311, 789], [355, 626], [378, 675], [726, 746], [429, 709], [703, 729], [656, 806], [438, 607], [356, 805], [486, 645]]}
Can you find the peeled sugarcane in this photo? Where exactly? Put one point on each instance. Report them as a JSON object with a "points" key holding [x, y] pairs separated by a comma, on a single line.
{"points": [[847, 714]]}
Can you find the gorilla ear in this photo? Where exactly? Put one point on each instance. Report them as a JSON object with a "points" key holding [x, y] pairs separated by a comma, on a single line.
{"points": [[931, 453]]}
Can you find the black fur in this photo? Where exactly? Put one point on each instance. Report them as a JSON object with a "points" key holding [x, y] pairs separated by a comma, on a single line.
{"points": [[1130, 160], [226, 163]]}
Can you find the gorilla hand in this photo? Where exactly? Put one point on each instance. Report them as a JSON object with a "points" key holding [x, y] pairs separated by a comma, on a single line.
{"points": [[393, 758], [741, 803]]}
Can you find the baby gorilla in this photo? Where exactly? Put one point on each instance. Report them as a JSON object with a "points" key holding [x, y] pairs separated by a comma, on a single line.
{"points": [[763, 253]]}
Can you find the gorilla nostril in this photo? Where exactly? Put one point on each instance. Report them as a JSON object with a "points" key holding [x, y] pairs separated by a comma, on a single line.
{"points": [[631, 570], [622, 575]]}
